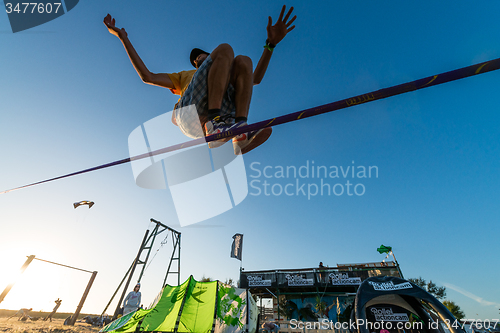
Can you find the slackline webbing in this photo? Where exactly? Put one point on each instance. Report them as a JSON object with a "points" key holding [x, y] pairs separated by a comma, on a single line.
{"points": [[429, 81]]}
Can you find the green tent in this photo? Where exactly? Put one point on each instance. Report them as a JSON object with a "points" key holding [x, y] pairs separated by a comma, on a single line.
{"points": [[198, 307]]}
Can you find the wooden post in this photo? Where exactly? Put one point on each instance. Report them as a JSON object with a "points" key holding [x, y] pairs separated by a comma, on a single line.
{"points": [[115, 315], [397, 264], [9, 287], [79, 308], [58, 304]]}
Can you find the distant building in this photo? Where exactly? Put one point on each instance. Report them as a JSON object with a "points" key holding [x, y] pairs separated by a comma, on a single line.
{"points": [[312, 294]]}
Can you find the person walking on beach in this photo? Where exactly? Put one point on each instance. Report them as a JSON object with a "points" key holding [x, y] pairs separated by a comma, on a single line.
{"points": [[22, 314], [133, 300], [220, 88]]}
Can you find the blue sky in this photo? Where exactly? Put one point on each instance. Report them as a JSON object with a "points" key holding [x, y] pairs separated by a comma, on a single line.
{"points": [[70, 98]]}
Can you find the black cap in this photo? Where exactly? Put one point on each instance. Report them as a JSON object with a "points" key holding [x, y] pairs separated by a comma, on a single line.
{"points": [[194, 54]]}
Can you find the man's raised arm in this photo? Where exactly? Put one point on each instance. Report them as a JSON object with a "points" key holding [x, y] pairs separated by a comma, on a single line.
{"points": [[275, 33], [162, 80]]}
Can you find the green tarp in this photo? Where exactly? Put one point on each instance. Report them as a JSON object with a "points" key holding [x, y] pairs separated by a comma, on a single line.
{"points": [[198, 307]]}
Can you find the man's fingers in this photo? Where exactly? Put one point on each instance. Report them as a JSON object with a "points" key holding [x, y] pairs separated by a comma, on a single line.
{"points": [[291, 21], [290, 29], [108, 21], [269, 23], [288, 14], [282, 12]]}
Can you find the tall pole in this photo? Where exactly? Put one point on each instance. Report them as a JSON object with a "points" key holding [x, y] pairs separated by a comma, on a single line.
{"points": [[176, 240], [179, 262], [116, 291], [397, 264], [84, 297], [115, 315], [9, 287]]}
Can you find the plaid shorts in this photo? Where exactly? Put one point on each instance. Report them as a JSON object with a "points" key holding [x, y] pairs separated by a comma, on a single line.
{"points": [[191, 112]]}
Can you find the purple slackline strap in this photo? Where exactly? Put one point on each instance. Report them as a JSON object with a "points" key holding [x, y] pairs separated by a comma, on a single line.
{"points": [[430, 81]]}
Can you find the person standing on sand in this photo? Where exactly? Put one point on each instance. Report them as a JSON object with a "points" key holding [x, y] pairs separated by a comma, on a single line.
{"points": [[133, 300]]}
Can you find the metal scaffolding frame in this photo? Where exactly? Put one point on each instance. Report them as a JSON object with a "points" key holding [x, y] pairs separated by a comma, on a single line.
{"points": [[147, 245]]}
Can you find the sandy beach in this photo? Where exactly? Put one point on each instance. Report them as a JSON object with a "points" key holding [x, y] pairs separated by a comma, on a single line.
{"points": [[40, 326]]}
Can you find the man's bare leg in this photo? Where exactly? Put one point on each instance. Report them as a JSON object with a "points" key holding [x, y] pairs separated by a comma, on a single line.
{"points": [[239, 71], [221, 72], [242, 81], [218, 76]]}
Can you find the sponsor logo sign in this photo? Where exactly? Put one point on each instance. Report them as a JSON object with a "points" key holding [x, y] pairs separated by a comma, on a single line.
{"points": [[388, 286], [341, 279], [386, 314], [257, 281], [298, 280]]}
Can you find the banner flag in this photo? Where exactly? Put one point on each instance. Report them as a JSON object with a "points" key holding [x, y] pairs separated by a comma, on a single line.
{"points": [[237, 246], [384, 249]]}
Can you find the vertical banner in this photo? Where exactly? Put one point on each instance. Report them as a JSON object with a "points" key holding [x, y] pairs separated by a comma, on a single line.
{"points": [[231, 310], [252, 314], [237, 246]]}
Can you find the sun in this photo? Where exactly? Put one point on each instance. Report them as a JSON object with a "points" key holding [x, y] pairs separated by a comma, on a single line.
{"points": [[35, 288]]}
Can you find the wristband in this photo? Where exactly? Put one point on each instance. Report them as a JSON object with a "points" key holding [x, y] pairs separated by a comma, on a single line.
{"points": [[269, 46]]}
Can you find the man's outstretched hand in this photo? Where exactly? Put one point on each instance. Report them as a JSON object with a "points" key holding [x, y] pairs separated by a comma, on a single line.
{"points": [[275, 33], [109, 22]]}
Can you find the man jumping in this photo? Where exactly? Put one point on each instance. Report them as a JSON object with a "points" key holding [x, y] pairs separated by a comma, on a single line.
{"points": [[220, 88]]}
